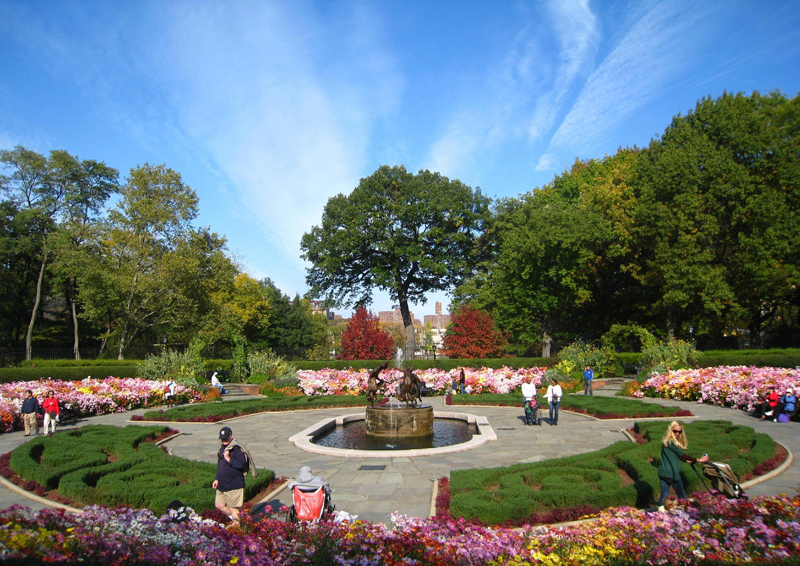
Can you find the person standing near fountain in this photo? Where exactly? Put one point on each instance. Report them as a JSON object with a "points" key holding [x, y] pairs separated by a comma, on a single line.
{"points": [[462, 381], [553, 397]]}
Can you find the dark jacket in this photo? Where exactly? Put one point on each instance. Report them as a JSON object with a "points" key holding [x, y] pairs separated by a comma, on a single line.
{"points": [[230, 475], [30, 405]]}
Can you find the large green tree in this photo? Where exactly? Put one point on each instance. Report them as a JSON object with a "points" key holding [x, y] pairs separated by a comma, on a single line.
{"points": [[51, 193], [155, 272], [720, 214], [562, 255], [402, 233]]}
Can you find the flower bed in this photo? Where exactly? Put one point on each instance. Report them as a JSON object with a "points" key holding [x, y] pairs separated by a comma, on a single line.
{"points": [[91, 397], [354, 382], [738, 387], [708, 531]]}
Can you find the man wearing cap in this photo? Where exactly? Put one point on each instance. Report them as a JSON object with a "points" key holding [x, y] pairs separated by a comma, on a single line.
{"points": [[229, 482]]}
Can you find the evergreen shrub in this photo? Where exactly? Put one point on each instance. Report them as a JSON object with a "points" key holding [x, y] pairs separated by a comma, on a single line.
{"points": [[186, 368]]}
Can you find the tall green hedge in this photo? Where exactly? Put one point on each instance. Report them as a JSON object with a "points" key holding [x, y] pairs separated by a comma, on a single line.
{"points": [[8, 375], [77, 363], [780, 358]]}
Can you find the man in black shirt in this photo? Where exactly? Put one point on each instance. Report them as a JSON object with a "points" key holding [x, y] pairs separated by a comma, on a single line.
{"points": [[30, 406], [229, 483]]}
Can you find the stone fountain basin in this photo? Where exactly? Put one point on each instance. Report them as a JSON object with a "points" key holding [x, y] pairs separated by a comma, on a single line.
{"points": [[389, 421], [303, 439]]}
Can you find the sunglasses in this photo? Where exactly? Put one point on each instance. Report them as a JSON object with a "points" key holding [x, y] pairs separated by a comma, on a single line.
{"points": [[678, 430]]}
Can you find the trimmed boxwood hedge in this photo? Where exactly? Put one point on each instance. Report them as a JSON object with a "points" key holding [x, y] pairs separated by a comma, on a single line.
{"points": [[514, 493], [8, 375], [780, 358], [440, 363], [107, 465], [77, 363]]}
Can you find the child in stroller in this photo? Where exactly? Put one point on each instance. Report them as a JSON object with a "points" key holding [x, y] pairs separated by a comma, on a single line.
{"points": [[311, 497], [531, 404]]}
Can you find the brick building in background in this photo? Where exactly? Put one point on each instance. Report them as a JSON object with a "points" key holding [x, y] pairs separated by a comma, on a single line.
{"points": [[438, 320]]}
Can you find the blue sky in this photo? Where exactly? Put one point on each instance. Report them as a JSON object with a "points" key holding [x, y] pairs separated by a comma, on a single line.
{"points": [[268, 109]]}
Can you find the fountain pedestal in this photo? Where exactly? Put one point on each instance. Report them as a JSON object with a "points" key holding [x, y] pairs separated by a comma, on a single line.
{"points": [[399, 421]]}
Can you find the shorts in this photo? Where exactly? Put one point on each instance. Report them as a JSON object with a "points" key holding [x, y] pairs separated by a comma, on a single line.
{"points": [[232, 498]]}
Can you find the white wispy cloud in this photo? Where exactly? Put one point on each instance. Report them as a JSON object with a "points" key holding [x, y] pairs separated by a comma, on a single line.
{"points": [[634, 73], [522, 94], [264, 90], [578, 34]]}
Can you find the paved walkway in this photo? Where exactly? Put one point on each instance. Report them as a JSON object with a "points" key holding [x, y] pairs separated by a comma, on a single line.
{"points": [[405, 485]]}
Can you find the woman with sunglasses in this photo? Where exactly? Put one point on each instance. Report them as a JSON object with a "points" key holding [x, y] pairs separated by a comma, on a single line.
{"points": [[672, 453], [50, 408]]}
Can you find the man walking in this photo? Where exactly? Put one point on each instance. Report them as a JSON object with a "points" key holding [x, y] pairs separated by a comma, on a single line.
{"points": [[588, 377], [30, 406], [233, 462]]}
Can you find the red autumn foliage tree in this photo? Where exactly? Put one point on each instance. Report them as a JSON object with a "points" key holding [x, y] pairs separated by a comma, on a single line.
{"points": [[473, 334], [363, 338]]}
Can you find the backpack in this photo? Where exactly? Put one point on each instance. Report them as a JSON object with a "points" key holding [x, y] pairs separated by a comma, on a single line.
{"points": [[249, 464]]}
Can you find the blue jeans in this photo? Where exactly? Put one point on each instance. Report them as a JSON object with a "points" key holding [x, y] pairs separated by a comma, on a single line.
{"points": [[665, 485], [554, 411], [587, 387]]}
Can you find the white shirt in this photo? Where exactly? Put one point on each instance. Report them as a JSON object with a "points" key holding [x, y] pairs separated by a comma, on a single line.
{"points": [[553, 391], [528, 390]]}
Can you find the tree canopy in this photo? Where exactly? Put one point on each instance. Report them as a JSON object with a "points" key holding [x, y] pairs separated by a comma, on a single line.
{"points": [[403, 233], [696, 235]]}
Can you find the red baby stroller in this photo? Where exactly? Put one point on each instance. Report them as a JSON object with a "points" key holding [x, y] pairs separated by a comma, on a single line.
{"points": [[310, 497]]}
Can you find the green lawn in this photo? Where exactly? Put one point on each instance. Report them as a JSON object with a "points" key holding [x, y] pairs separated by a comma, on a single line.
{"points": [[603, 407], [220, 410]]}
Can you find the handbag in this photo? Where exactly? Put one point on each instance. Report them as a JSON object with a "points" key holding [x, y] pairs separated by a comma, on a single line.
{"points": [[783, 418]]}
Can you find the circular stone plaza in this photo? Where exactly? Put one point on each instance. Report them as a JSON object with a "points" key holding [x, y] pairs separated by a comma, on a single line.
{"points": [[373, 486]]}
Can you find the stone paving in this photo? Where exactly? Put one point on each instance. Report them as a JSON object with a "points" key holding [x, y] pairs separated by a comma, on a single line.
{"points": [[405, 485]]}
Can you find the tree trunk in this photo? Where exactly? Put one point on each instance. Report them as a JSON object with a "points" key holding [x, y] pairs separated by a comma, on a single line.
{"points": [[74, 311], [670, 326], [546, 343], [410, 345], [36, 302], [123, 336], [755, 330]]}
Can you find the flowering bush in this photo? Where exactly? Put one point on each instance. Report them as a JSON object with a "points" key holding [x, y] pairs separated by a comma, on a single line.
{"points": [[354, 382], [739, 387], [90, 397], [763, 530]]}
